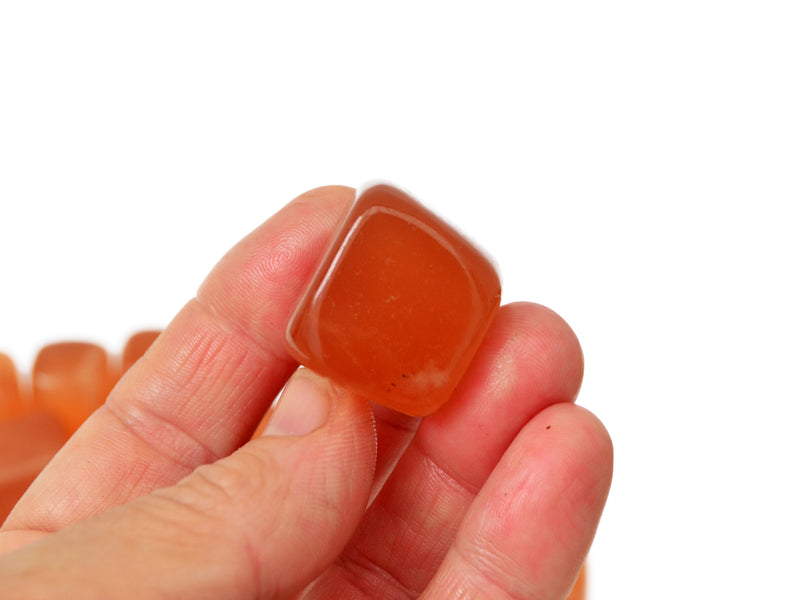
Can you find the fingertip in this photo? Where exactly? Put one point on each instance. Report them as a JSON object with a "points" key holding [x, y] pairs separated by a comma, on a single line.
{"points": [[333, 193], [326, 204], [584, 449], [257, 281], [556, 348]]}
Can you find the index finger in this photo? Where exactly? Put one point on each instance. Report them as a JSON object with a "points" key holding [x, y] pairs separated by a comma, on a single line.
{"points": [[202, 387]]}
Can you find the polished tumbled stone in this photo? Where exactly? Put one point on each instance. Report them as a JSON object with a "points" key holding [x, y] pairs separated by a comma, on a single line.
{"points": [[71, 380], [399, 305]]}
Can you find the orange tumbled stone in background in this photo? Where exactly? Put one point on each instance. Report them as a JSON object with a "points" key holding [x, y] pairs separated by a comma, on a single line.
{"points": [[398, 306], [27, 443], [71, 380], [12, 402], [136, 346]]}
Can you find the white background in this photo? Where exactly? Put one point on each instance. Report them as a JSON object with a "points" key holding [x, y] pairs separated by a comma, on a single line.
{"points": [[633, 165]]}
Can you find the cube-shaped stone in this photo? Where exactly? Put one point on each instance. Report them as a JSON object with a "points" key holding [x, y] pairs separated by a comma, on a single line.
{"points": [[398, 306]]}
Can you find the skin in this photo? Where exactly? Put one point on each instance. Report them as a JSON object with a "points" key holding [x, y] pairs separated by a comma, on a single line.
{"points": [[161, 495]]}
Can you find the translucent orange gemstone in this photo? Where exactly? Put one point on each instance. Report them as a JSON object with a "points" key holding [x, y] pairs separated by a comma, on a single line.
{"points": [[399, 305], [27, 443], [12, 401], [136, 346], [71, 380]]}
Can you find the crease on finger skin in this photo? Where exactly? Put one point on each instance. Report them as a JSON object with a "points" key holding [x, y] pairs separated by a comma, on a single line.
{"points": [[212, 362], [366, 577], [14, 539], [273, 352], [207, 495], [376, 575], [138, 419], [484, 573]]}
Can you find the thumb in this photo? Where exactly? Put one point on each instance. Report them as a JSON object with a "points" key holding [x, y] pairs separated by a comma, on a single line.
{"points": [[260, 523]]}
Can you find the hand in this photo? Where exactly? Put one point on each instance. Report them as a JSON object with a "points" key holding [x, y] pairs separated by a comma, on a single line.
{"points": [[160, 493]]}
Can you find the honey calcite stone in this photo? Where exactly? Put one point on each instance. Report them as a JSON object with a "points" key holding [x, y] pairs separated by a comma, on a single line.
{"points": [[27, 443], [399, 305], [12, 401], [71, 380]]}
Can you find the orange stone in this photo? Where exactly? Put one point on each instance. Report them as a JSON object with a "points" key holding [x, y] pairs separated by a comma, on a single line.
{"points": [[27, 443], [12, 401], [136, 346], [399, 305], [71, 380]]}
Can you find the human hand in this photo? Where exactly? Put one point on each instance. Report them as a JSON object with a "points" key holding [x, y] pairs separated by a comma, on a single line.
{"points": [[160, 493]]}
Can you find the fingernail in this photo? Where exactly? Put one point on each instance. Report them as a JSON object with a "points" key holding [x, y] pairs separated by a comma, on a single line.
{"points": [[303, 407]]}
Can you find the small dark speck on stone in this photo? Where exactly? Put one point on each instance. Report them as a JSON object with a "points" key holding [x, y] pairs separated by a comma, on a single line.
{"points": [[548, 427]]}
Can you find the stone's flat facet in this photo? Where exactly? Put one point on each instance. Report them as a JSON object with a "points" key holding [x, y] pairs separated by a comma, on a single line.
{"points": [[399, 305], [71, 380]]}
